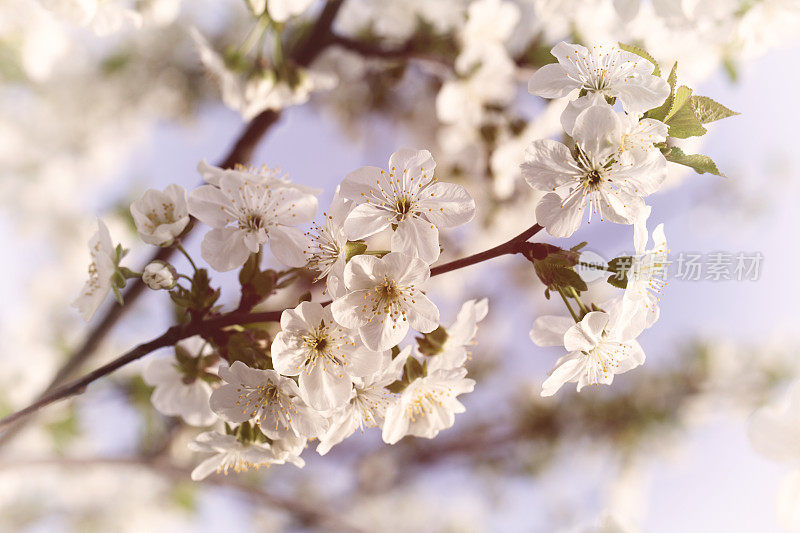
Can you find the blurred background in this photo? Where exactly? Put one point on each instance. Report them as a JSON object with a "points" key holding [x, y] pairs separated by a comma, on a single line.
{"points": [[101, 101]]}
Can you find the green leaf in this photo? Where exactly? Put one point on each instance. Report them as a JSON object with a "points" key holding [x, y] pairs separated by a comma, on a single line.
{"points": [[700, 163], [660, 112], [707, 110], [412, 370], [354, 248], [619, 266], [642, 53], [555, 271], [681, 119], [432, 343]]}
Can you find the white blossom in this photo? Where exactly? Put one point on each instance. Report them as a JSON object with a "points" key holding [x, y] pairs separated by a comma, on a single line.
{"points": [[283, 10], [601, 345], [259, 91], [612, 186], [601, 71], [231, 454], [384, 297], [101, 271], [261, 208], [460, 336], [324, 355], [102, 16], [176, 393], [368, 402], [427, 405], [273, 401], [774, 432], [160, 217], [408, 196]]}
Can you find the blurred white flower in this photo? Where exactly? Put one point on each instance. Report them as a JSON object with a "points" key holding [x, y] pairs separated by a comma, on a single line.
{"points": [[283, 10], [647, 274], [102, 16], [259, 91], [161, 216], [384, 297], [427, 405], [774, 432]]}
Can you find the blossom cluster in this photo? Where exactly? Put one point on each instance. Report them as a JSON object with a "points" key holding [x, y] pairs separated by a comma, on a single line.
{"points": [[337, 366]]}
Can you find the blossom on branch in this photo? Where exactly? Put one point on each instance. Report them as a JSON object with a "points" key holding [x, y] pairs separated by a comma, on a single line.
{"points": [[613, 186], [274, 402], [246, 210], [408, 199], [384, 298], [601, 345], [427, 406], [324, 355], [600, 72]]}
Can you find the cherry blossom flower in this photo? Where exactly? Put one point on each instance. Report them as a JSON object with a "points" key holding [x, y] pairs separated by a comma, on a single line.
{"points": [[231, 454], [272, 400], [160, 217], [614, 188], [177, 394], [263, 209], [647, 274], [604, 71], [325, 356], [101, 273], [384, 298], [325, 248], [460, 335], [103, 17], [368, 402], [601, 345], [408, 196], [262, 90], [427, 406], [774, 432]]}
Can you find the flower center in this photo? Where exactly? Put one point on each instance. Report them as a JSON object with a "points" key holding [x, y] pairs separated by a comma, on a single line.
{"points": [[252, 221], [403, 207]]}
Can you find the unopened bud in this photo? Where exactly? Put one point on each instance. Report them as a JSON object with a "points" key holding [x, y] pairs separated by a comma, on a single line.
{"points": [[160, 275]]}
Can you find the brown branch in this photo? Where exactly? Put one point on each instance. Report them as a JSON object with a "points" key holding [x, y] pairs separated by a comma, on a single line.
{"points": [[211, 325], [514, 246], [306, 513], [240, 153]]}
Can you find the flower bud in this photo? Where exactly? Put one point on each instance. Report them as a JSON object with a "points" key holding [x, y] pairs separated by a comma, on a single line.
{"points": [[160, 275]]}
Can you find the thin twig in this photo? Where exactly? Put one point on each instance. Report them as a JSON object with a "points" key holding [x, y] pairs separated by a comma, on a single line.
{"points": [[211, 325], [240, 153]]}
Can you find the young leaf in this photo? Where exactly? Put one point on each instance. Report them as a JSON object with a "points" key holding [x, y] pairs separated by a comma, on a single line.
{"points": [[707, 110], [642, 53], [681, 118], [700, 163]]}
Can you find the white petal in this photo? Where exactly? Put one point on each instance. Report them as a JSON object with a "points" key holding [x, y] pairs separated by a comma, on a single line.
{"points": [[548, 165], [551, 81], [366, 220], [416, 237], [224, 249], [447, 205], [560, 220], [567, 371], [549, 330], [287, 245]]}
